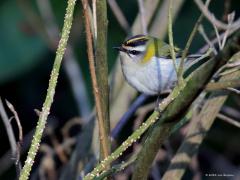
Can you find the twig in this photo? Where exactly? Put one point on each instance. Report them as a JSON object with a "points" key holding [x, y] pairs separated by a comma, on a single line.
{"points": [[161, 17], [118, 167], [217, 35], [50, 92], [213, 20], [205, 37], [170, 38], [142, 15], [20, 136], [102, 131], [221, 85], [233, 90], [10, 106], [189, 42], [228, 120], [119, 15], [230, 21], [11, 138], [215, 40]]}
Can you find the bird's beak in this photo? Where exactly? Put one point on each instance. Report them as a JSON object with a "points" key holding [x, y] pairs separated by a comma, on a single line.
{"points": [[119, 48]]}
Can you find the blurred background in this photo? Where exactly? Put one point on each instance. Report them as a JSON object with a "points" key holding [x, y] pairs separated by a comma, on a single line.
{"points": [[29, 34]]}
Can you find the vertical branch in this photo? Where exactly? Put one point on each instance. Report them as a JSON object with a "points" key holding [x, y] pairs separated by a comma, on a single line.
{"points": [[170, 38], [100, 114], [50, 92], [102, 67], [119, 15], [142, 15]]}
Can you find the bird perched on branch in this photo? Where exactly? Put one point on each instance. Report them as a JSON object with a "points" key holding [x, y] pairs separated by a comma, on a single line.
{"points": [[147, 64]]}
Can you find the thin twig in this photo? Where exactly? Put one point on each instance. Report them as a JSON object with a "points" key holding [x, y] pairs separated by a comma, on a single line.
{"points": [[230, 21], [50, 92], [217, 35], [228, 120], [11, 138], [189, 42], [233, 90], [161, 17], [142, 15], [119, 15], [20, 136], [221, 85], [170, 38], [212, 18], [12, 109], [215, 40], [205, 37], [102, 131]]}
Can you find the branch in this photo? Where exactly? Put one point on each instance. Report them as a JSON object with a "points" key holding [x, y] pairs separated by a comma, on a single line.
{"points": [[12, 109], [189, 42], [197, 132], [102, 68], [142, 15], [170, 38], [229, 120], [212, 18], [96, 90], [11, 137], [119, 15], [50, 92]]}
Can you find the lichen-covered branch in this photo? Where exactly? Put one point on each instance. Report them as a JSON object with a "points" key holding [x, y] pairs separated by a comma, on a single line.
{"points": [[50, 92], [197, 132]]}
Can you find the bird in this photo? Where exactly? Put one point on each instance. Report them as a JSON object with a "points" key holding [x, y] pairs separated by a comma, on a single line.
{"points": [[147, 64]]}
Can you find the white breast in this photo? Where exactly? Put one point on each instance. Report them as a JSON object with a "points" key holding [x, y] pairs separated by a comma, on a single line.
{"points": [[150, 78]]}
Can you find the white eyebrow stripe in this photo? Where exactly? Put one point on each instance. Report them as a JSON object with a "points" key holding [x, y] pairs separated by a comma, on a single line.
{"points": [[137, 48]]}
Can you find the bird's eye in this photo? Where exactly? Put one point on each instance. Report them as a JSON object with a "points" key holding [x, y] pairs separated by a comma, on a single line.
{"points": [[134, 52]]}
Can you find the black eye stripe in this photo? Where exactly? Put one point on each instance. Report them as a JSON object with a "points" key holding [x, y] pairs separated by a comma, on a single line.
{"points": [[134, 52]]}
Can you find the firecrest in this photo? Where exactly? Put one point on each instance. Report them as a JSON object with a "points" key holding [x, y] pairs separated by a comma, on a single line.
{"points": [[147, 64]]}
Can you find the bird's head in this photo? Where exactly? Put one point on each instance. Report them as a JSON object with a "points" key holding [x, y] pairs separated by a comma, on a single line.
{"points": [[135, 47]]}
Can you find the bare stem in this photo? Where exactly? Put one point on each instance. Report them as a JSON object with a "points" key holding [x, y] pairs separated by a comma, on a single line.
{"points": [[189, 42], [11, 137], [100, 116], [170, 38], [142, 14], [212, 18], [119, 15], [50, 92]]}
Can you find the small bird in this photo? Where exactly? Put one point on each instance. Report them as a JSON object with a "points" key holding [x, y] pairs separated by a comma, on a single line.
{"points": [[147, 64]]}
